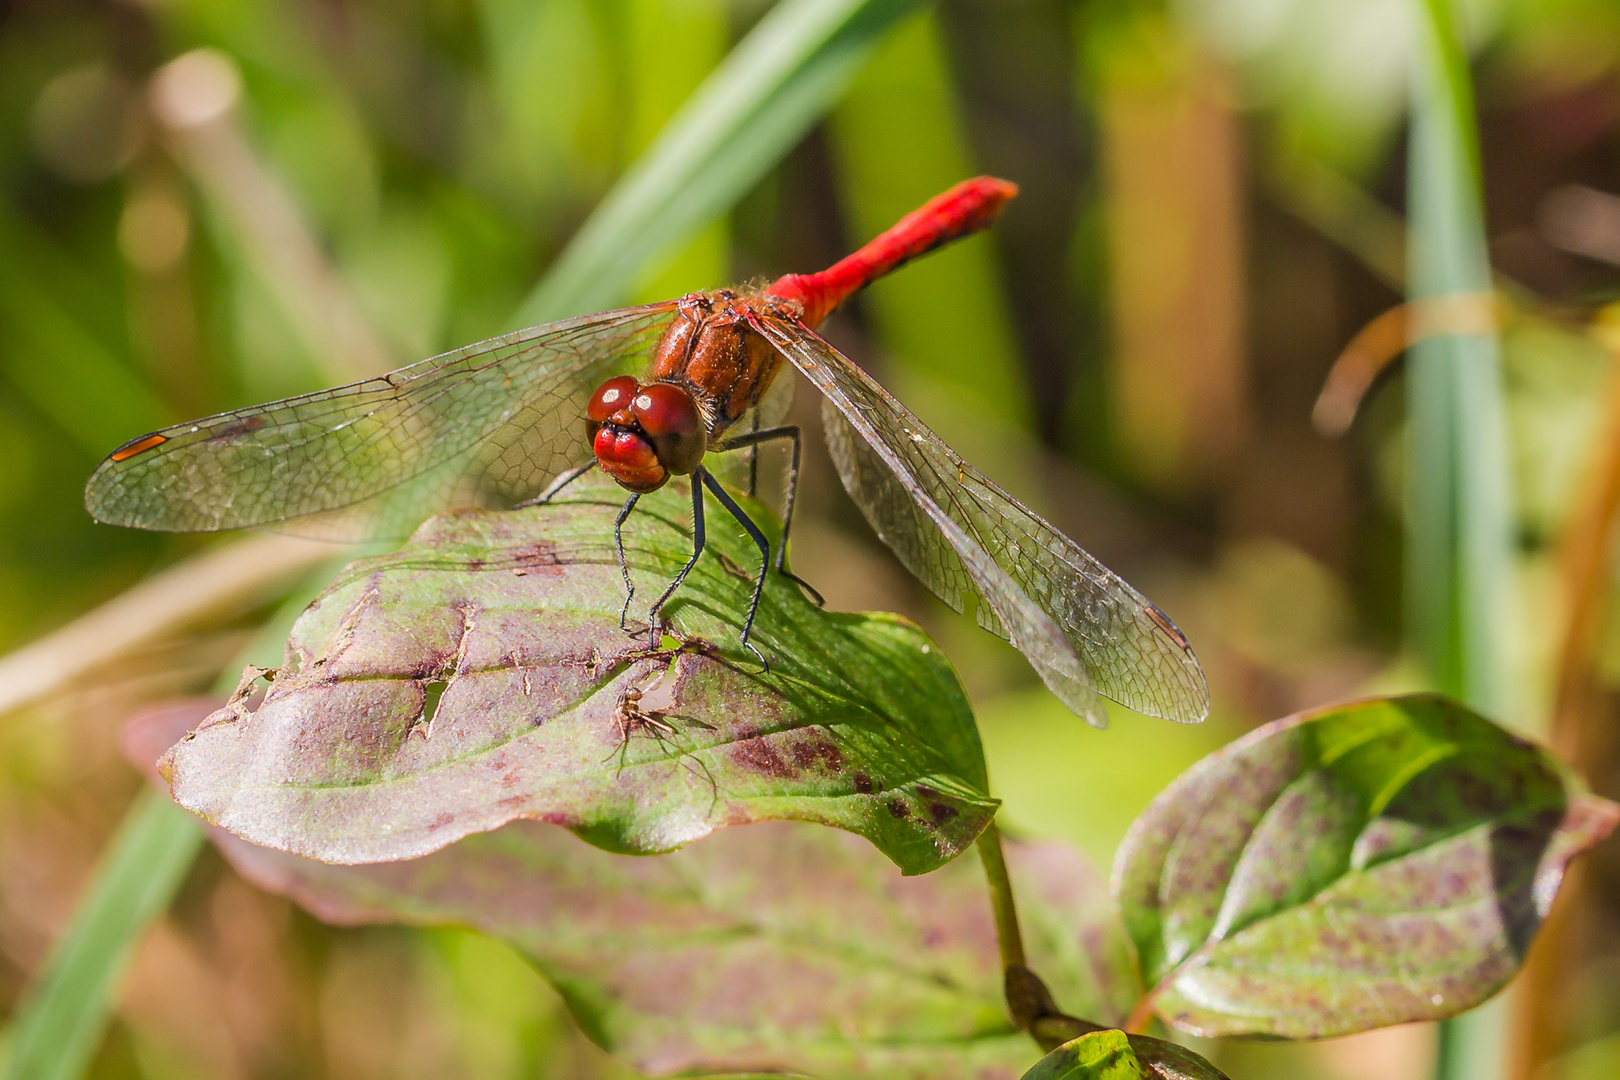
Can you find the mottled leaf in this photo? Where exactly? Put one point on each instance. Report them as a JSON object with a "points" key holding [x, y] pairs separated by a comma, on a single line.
{"points": [[1363, 865], [480, 675], [1114, 1055], [779, 947], [776, 948]]}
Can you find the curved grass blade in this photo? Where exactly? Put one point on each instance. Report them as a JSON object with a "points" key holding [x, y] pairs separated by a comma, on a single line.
{"points": [[60, 1023], [59, 1028], [746, 116]]}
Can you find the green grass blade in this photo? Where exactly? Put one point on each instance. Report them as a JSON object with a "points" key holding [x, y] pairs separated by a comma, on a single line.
{"points": [[734, 128], [59, 1026], [59, 1030], [1459, 530]]}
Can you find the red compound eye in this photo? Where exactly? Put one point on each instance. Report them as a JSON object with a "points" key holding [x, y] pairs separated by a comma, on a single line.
{"points": [[674, 425], [610, 397]]}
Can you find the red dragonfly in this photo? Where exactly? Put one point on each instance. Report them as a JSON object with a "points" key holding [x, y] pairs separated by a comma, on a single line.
{"points": [[499, 423]]}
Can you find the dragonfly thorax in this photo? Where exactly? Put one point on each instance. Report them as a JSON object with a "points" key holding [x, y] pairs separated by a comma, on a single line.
{"points": [[712, 349]]}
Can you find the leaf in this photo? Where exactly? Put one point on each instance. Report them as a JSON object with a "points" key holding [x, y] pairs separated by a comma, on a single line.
{"points": [[773, 948], [1113, 1055], [480, 675], [780, 947], [751, 110], [1368, 864]]}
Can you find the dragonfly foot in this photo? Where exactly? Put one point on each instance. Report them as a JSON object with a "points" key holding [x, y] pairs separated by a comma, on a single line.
{"points": [[764, 664], [815, 594]]}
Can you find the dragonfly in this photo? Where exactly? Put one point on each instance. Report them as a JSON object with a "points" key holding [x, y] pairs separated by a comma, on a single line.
{"points": [[646, 394]]}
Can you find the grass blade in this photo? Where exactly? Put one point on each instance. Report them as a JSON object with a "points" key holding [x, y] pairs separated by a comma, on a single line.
{"points": [[734, 128], [1459, 533], [60, 1027]]}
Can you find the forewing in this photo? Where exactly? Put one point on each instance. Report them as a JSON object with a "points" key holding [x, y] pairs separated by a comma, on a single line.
{"points": [[1083, 628], [489, 424]]}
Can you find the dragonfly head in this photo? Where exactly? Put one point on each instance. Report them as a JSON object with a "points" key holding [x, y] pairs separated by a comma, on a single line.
{"points": [[643, 435]]}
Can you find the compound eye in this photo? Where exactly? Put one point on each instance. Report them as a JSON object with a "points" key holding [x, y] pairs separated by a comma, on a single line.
{"points": [[610, 397], [674, 425]]}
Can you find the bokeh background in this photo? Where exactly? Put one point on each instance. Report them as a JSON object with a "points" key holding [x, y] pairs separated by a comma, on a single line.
{"points": [[1212, 209]]}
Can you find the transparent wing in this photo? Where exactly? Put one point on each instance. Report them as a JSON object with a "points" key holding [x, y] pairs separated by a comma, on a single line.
{"points": [[488, 424], [1082, 627]]}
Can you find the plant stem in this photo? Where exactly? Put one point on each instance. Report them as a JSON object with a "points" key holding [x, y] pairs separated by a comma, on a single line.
{"points": [[1001, 898], [1028, 1000], [1576, 732]]}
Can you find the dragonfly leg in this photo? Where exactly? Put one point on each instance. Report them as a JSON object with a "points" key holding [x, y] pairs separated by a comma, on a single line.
{"points": [[754, 438], [764, 545], [697, 549], [555, 488], [624, 566], [753, 460]]}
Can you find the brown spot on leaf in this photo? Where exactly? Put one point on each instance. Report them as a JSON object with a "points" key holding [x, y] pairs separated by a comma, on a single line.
{"points": [[941, 812], [761, 757], [830, 756], [538, 557], [817, 752], [441, 821], [475, 565], [428, 667], [863, 783], [899, 809]]}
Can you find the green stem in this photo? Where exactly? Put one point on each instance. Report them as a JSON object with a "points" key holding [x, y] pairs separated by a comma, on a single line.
{"points": [[1001, 898], [1028, 999]]}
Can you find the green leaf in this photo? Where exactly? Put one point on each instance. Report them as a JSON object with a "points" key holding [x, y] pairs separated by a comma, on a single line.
{"points": [[1113, 1055], [56, 1035], [1367, 864], [780, 947], [775, 948], [480, 674], [734, 128]]}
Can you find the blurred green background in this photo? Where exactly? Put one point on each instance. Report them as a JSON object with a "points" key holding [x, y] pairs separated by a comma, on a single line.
{"points": [[1212, 208]]}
